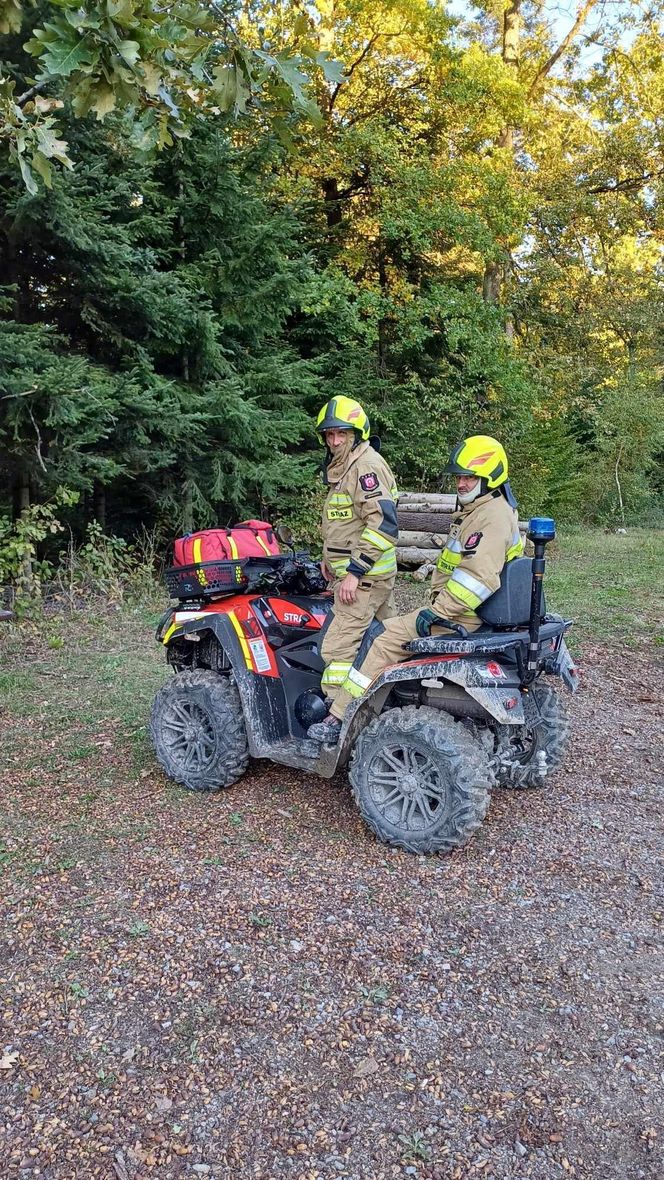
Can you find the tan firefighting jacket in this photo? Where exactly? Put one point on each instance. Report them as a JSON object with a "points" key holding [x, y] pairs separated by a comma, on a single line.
{"points": [[482, 538], [360, 515]]}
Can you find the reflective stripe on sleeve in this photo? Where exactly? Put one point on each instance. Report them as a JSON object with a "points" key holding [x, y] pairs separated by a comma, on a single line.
{"points": [[464, 587], [463, 578], [387, 564], [448, 559], [465, 596], [516, 548], [376, 539], [338, 565]]}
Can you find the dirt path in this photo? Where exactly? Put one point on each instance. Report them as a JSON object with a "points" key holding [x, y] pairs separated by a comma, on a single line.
{"points": [[250, 986]]}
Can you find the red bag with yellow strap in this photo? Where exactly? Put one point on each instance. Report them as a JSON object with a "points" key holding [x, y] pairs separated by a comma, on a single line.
{"points": [[250, 538]]}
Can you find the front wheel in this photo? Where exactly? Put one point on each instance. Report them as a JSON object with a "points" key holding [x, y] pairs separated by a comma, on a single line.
{"points": [[198, 731], [527, 753], [420, 780]]}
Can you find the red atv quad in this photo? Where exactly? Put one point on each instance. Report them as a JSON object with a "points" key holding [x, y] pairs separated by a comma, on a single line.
{"points": [[426, 743]]}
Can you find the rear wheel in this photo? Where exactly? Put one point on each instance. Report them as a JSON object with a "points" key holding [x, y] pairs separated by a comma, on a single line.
{"points": [[198, 731], [420, 780], [527, 753]]}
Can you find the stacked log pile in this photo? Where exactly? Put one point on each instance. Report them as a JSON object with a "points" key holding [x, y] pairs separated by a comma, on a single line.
{"points": [[424, 523]]}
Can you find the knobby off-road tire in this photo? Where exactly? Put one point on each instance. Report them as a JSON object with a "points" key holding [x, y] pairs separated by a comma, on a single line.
{"points": [[198, 731], [546, 731], [420, 780]]}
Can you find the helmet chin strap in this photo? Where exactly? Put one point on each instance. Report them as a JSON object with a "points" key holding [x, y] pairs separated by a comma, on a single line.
{"points": [[468, 498]]}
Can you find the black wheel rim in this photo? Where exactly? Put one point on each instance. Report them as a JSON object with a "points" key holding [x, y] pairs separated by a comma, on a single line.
{"points": [[188, 733], [407, 788]]}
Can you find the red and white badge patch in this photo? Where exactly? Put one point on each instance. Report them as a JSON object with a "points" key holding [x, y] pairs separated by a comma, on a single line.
{"points": [[473, 540], [369, 482]]}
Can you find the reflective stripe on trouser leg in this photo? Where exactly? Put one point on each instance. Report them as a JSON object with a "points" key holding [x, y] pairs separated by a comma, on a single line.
{"points": [[335, 673], [385, 647], [345, 632]]}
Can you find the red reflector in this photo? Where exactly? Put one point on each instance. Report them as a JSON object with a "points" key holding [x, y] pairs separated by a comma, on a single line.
{"points": [[511, 702]]}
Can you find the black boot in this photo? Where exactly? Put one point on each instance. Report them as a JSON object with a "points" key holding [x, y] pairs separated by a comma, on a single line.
{"points": [[326, 731]]}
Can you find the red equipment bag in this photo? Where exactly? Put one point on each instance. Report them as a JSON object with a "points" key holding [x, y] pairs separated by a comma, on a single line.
{"points": [[250, 538]]}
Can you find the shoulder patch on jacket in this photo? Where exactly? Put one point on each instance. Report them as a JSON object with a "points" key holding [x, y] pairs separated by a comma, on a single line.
{"points": [[473, 540], [369, 482]]}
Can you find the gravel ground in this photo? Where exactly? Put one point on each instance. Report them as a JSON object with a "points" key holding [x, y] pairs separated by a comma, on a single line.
{"points": [[249, 985]]}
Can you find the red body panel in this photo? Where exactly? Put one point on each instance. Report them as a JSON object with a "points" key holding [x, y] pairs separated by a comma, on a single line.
{"points": [[292, 615], [258, 655]]}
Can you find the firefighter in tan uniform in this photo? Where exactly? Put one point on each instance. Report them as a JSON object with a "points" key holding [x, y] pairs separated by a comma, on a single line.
{"points": [[484, 536], [359, 535]]}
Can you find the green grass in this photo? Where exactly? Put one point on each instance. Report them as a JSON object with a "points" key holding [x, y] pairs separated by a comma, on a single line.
{"points": [[611, 584], [88, 698]]}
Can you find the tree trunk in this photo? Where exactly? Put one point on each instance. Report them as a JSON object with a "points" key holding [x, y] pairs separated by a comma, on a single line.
{"points": [[433, 521], [99, 503], [26, 578], [495, 274], [382, 323], [410, 555], [421, 540], [332, 201], [21, 494], [187, 509], [445, 501], [183, 247]]}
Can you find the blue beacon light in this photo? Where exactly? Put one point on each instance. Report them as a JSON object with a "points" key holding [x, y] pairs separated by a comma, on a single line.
{"points": [[542, 528]]}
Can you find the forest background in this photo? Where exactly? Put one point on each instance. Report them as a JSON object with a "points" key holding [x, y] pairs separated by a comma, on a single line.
{"points": [[214, 216]]}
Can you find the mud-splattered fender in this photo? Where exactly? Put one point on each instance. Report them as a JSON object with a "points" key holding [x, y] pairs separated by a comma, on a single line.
{"points": [[481, 686]]}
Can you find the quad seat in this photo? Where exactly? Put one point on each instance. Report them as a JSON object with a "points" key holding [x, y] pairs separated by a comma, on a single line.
{"points": [[505, 616]]}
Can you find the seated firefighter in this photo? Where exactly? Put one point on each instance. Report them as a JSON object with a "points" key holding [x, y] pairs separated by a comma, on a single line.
{"points": [[482, 538], [359, 534]]}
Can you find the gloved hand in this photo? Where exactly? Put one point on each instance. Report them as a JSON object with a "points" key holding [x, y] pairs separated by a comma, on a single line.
{"points": [[424, 622]]}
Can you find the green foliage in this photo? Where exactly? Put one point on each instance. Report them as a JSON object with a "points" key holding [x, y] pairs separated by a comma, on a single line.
{"points": [[166, 65], [19, 542], [170, 322], [109, 567]]}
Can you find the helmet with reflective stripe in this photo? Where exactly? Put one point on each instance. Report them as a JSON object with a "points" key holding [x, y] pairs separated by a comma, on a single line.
{"points": [[479, 455], [342, 413]]}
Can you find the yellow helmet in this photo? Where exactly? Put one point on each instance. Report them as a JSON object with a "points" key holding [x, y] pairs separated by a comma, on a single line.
{"points": [[342, 413], [482, 456]]}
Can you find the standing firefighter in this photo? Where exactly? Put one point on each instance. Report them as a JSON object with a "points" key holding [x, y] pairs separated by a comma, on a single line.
{"points": [[484, 535], [359, 534]]}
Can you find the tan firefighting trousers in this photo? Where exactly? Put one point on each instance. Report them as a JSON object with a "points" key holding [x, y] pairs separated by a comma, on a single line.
{"points": [[342, 639], [381, 649]]}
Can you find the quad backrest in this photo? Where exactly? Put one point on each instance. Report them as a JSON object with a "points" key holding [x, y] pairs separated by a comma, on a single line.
{"points": [[510, 605]]}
